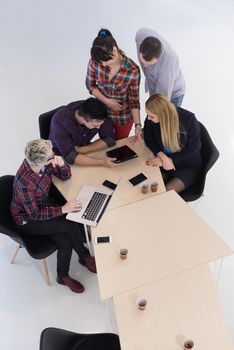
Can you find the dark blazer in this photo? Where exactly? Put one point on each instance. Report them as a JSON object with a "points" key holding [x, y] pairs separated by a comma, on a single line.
{"points": [[190, 140]]}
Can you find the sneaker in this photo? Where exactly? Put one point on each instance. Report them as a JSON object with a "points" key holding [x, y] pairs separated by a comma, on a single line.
{"points": [[89, 262], [74, 285]]}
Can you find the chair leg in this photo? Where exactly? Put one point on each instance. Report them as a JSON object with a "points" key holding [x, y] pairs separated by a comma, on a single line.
{"points": [[45, 271], [16, 252], [44, 265]]}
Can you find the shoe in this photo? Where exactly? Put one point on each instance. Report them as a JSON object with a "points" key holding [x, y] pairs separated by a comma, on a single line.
{"points": [[89, 262], [74, 285]]}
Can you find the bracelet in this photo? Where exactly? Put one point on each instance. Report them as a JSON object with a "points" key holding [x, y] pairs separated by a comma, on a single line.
{"points": [[138, 124]]}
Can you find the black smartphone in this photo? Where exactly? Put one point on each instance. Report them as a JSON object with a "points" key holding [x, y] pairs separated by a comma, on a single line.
{"points": [[137, 179], [109, 184], [104, 239]]}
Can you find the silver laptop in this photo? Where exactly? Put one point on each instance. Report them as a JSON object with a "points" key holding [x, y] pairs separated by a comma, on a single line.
{"points": [[94, 201]]}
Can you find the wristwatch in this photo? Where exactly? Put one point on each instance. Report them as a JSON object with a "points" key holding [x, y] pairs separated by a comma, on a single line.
{"points": [[138, 124]]}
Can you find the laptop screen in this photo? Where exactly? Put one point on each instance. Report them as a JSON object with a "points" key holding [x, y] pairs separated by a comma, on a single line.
{"points": [[122, 154]]}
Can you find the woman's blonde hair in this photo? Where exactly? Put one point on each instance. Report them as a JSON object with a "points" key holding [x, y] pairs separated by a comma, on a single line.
{"points": [[38, 151], [168, 118]]}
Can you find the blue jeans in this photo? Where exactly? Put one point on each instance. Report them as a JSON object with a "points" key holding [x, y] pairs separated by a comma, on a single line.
{"points": [[177, 101]]}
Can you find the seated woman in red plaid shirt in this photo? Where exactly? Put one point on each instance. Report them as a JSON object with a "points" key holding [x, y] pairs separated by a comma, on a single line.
{"points": [[33, 211], [114, 79]]}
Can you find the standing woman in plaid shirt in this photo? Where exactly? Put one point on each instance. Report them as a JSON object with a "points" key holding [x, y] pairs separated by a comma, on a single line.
{"points": [[114, 79], [36, 213]]}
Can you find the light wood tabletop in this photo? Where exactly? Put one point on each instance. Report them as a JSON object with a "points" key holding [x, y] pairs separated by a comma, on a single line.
{"points": [[182, 306], [95, 176], [163, 236]]}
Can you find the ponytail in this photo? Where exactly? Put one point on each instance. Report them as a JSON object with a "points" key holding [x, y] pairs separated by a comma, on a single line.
{"points": [[102, 48], [104, 33]]}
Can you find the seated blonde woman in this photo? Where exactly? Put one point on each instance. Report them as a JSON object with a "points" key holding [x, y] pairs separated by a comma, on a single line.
{"points": [[173, 136], [33, 211]]}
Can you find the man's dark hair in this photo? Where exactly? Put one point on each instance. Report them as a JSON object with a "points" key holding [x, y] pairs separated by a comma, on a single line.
{"points": [[92, 108], [150, 48], [103, 45]]}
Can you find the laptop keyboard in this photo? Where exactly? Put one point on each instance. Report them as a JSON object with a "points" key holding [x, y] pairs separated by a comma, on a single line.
{"points": [[94, 206]]}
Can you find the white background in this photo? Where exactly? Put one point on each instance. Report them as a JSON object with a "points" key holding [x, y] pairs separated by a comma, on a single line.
{"points": [[44, 51]]}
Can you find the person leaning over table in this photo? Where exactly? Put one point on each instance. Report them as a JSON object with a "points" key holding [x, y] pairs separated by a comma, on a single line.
{"points": [[114, 79], [173, 135], [34, 213], [160, 65], [73, 127]]}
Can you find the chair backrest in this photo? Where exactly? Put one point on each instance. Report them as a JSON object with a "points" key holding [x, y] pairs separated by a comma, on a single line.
{"points": [[104, 341], [209, 155], [6, 189], [37, 246], [209, 151], [7, 224], [44, 123], [61, 339]]}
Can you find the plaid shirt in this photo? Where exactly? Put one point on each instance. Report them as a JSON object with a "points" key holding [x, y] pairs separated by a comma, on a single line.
{"points": [[124, 86], [31, 191]]}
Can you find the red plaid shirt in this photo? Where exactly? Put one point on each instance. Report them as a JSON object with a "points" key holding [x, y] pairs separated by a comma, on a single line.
{"points": [[124, 86], [30, 193]]}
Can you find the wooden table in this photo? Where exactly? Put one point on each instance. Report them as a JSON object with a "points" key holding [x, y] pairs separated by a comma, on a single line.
{"points": [[168, 243], [183, 305], [125, 193], [164, 236]]}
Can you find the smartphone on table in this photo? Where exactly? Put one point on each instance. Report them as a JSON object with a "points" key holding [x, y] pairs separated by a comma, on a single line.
{"points": [[103, 239], [137, 179], [109, 184]]}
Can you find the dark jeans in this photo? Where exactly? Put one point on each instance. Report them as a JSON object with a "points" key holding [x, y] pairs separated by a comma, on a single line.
{"points": [[66, 234]]}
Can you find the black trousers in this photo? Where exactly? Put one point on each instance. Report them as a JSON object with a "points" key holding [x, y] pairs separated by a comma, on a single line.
{"points": [[66, 234]]}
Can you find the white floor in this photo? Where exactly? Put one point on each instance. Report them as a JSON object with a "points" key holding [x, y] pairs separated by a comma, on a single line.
{"points": [[44, 52]]}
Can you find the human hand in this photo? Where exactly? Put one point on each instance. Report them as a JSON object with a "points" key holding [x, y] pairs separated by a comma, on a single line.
{"points": [[57, 160], [167, 163], [135, 139], [138, 133], [71, 206], [156, 161], [114, 104], [109, 162]]}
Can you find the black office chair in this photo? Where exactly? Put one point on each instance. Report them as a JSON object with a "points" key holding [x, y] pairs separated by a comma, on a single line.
{"points": [[44, 123], [209, 154], [38, 247], [60, 339]]}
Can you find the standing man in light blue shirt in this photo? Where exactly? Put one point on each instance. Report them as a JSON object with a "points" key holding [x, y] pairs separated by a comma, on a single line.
{"points": [[160, 65]]}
